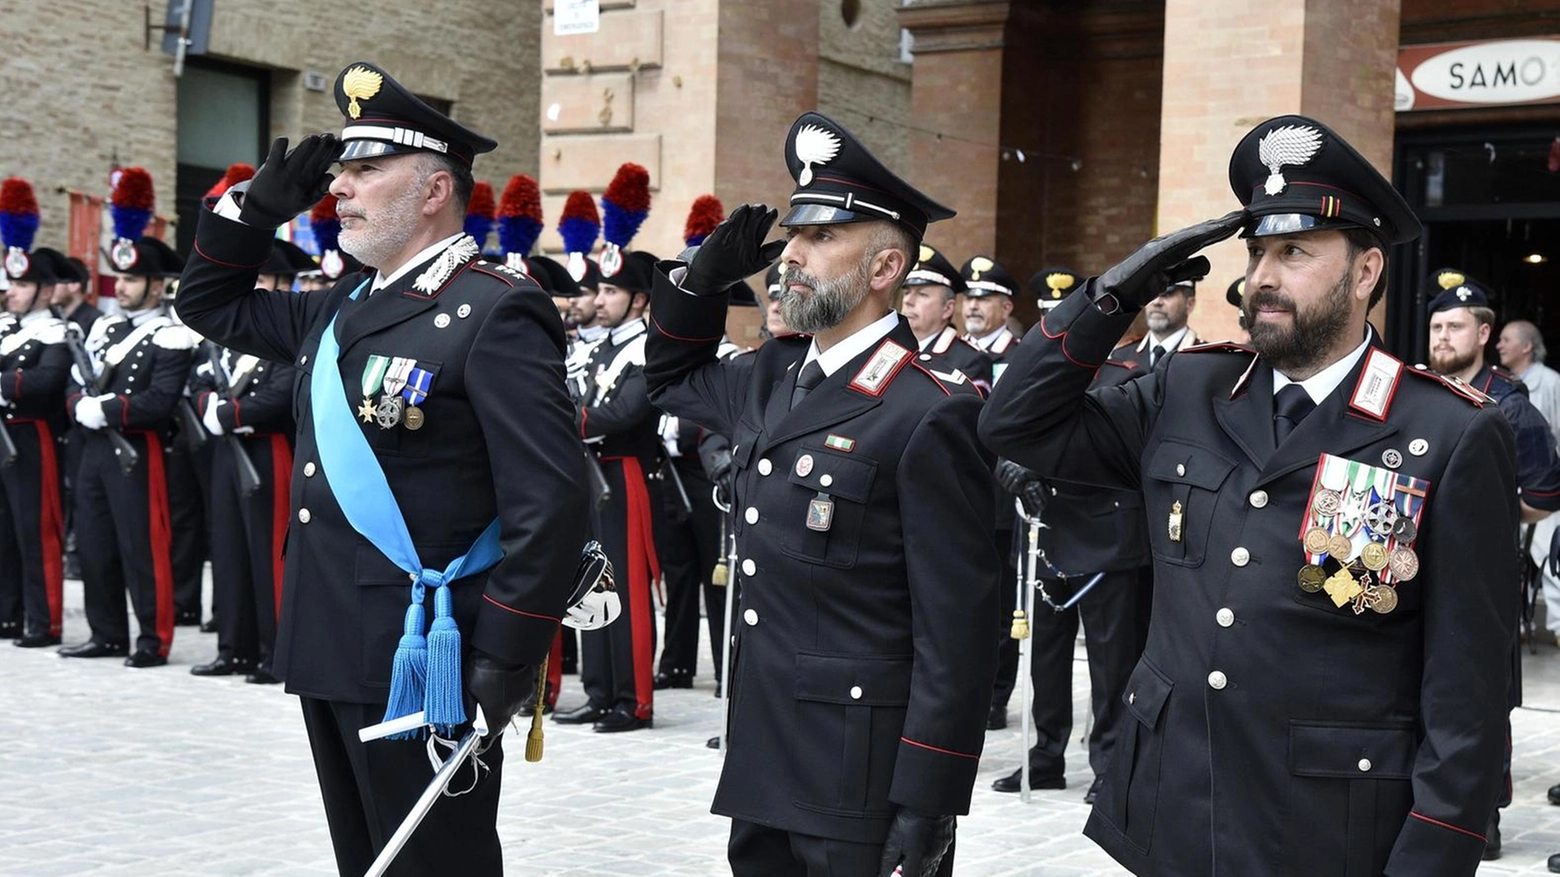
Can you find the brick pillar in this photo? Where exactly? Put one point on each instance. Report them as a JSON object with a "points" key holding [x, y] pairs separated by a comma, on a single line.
{"points": [[1230, 64], [956, 88]]}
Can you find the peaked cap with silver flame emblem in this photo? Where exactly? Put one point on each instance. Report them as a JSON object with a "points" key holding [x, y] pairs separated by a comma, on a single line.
{"points": [[838, 180], [1295, 174], [383, 118]]}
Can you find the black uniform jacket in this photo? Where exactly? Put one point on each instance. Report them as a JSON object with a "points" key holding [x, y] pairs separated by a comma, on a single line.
{"points": [[1095, 529], [34, 368], [1273, 733], [497, 440], [144, 366], [864, 654], [1538, 468], [949, 352]]}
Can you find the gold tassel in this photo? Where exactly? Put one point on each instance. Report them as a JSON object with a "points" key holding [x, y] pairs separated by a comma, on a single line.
{"points": [[533, 740], [720, 576], [1020, 625]]}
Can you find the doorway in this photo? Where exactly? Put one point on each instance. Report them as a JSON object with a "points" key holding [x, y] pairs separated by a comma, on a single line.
{"points": [[224, 117]]}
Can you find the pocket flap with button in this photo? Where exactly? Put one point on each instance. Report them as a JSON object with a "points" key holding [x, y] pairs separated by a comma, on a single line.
{"points": [[832, 473], [743, 438], [861, 680], [1352, 750], [1199, 467], [1146, 693]]}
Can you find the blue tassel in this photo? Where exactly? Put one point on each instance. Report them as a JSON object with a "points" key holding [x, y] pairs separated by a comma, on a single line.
{"points": [[409, 673], [445, 707]]}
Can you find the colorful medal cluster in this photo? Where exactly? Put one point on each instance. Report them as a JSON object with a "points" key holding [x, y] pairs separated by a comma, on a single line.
{"points": [[1359, 531], [404, 387]]}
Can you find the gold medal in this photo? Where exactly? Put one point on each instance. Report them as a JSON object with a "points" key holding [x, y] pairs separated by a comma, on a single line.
{"points": [[1340, 548], [1311, 578], [414, 417], [1326, 502], [1342, 587], [1386, 599], [1317, 540], [1374, 556], [1404, 564]]}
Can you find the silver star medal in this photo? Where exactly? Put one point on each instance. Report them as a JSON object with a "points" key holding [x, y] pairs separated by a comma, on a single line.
{"points": [[455, 255], [814, 145], [1291, 145]]}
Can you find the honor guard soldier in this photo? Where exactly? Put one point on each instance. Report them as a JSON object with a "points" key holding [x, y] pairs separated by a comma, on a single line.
{"points": [[1461, 322], [1052, 285], [70, 296], [862, 668], [618, 425], [435, 464], [127, 378], [1166, 318], [988, 303], [34, 368], [1323, 688], [246, 406], [932, 292]]}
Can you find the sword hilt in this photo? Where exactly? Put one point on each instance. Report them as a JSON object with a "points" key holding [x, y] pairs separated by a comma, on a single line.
{"points": [[533, 740]]}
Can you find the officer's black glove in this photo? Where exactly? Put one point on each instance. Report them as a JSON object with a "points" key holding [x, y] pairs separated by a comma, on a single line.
{"points": [[734, 251], [717, 464], [1033, 498], [500, 688], [1012, 477], [290, 182], [1141, 277], [918, 841]]}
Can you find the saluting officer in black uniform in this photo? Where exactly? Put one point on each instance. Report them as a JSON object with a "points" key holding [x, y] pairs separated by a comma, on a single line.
{"points": [[452, 371], [34, 368], [252, 401], [618, 423], [931, 293], [864, 658], [122, 519], [1323, 689]]}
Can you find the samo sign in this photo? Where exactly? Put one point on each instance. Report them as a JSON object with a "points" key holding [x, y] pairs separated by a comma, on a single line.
{"points": [[1482, 74]]}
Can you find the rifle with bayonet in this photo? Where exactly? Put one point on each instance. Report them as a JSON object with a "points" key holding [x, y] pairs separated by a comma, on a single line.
{"points": [[92, 382], [248, 477]]}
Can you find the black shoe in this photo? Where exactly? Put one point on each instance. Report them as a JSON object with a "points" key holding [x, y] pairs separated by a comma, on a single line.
{"points": [[143, 659], [718, 689], [37, 641], [1492, 838], [222, 667], [187, 619], [209, 626], [10, 630], [1094, 790], [94, 649], [1011, 782], [712, 743], [261, 676], [580, 715], [1554, 798], [996, 720], [1554, 864], [620, 720], [674, 679]]}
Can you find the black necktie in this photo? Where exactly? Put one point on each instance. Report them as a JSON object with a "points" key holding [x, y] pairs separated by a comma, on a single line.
{"points": [[1290, 406], [811, 376], [1156, 355]]}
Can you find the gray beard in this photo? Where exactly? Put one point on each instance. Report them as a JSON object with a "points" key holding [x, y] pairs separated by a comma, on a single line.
{"points": [[831, 301], [386, 237]]}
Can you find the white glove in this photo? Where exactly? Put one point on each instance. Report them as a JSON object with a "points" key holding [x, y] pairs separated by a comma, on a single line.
{"points": [[213, 425], [89, 413], [4, 402], [597, 609], [243, 430]]}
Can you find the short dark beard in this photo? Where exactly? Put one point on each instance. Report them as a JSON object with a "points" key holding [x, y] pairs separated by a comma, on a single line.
{"points": [[1452, 363], [1301, 347]]}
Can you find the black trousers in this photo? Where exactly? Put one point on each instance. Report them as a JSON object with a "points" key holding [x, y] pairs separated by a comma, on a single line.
{"points": [[760, 851], [123, 539], [369, 788], [189, 474], [32, 576], [1008, 542], [245, 550], [1113, 640], [616, 662], [689, 547]]}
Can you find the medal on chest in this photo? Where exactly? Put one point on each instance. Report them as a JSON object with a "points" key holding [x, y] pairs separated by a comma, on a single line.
{"points": [[1358, 534]]}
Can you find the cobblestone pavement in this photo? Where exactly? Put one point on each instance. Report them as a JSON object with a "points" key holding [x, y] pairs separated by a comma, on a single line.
{"points": [[111, 771]]}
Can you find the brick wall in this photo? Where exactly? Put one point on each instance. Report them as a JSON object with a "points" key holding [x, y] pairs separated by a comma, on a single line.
{"points": [[862, 84]]}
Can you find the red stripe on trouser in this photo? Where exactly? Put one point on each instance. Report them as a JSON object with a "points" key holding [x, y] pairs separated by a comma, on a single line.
{"points": [[555, 668], [281, 502], [51, 525], [643, 567], [162, 540]]}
